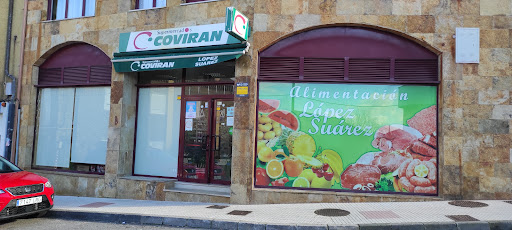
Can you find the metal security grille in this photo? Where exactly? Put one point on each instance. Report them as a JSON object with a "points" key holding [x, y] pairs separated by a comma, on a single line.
{"points": [[25, 190], [349, 70]]}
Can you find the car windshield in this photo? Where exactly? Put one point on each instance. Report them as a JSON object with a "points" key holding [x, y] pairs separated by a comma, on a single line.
{"points": [[7, 167]]}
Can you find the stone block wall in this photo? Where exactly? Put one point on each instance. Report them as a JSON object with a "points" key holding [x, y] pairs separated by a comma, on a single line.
{"points": [[475, 108]]}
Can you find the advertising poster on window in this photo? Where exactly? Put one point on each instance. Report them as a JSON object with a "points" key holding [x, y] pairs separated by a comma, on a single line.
{"points": [[191, 108], [353, 137]]}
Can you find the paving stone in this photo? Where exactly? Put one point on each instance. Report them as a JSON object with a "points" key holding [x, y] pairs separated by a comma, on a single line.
{"points": [[344, 227], [312, 227], [280, 227], [151, 220], [412, 226], [378, 227], [500, 225], [175, 222], [479, 225], [250, 226], [195, 223], [218, 224], [440, 226]]}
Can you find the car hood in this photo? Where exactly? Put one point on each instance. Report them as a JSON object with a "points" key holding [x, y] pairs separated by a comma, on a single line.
{"points": [[21, 178]]}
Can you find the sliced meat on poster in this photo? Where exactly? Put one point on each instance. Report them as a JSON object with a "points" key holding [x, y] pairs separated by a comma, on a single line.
{"points": [[425, 120], [395, 137], [360, 177]]}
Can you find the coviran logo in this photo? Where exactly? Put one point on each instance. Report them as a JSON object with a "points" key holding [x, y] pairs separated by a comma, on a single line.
{"points": [[147, 65], [176, 39]]}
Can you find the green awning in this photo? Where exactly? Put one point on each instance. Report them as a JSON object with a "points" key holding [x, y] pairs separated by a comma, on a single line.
{"points": [[177, 58]]}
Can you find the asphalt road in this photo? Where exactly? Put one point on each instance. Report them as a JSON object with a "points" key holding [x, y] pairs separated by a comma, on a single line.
{"points": [[55, 224]]}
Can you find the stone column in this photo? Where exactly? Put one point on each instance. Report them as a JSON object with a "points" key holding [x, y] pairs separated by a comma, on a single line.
{"points": [[243, 135], [120, 131]]}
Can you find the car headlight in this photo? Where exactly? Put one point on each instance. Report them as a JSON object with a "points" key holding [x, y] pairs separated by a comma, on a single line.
{"points": [[2, 191], [48, 184]]}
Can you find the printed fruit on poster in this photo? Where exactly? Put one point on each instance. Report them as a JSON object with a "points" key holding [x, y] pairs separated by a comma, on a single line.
{"points": [[308, 174], [267, 128], [333, 159], [267, 105], [301, 182], [262, 177], [301, 144], [293, 166], [265, 154], [321, 182], [285, 118], [275, 169]]}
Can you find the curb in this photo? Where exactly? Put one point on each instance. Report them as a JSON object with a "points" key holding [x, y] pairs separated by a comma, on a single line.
{"points": [[219, 224]]}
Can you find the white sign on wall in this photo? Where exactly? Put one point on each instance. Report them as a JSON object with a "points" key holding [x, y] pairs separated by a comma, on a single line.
{"points": [[467, 45]]}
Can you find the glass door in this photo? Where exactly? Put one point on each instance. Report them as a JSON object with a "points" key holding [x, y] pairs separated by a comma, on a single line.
{"points": [[196, 141], [221, 147], [207, 124]]}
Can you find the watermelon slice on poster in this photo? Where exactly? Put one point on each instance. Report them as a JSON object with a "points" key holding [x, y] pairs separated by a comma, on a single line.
{"points": [[285, 118], [268, 105]]}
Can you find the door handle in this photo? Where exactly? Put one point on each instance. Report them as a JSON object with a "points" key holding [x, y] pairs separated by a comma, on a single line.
{"points": [[217, 147], [204, 144]]}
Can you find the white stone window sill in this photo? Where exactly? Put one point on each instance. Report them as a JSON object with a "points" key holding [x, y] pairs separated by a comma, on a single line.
{"points": [[191, 3], [154, 8], [65, 19]]}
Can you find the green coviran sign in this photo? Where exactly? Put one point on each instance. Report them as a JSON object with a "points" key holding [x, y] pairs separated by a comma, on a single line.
{"points": [[353, 137], [165, 64]]}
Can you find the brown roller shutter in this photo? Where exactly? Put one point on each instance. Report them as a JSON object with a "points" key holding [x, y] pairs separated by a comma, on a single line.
{"points": [[76, 65], [348, 53], [324, 69], [279, 68]]}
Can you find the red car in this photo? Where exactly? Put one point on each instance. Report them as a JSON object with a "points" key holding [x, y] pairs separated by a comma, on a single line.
{"points": [[23, 193]]}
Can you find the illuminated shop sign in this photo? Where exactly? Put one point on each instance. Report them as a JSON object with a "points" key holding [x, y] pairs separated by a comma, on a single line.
{"points": [[193, 36], [237, 24], [354, 137]]}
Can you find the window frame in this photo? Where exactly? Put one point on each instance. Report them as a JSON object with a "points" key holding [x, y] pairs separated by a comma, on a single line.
{"points": [[34, 164], [137, 5], [51, 9]]}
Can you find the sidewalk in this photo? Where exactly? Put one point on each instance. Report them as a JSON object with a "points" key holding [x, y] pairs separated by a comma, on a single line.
{"points": [[383, 215]]}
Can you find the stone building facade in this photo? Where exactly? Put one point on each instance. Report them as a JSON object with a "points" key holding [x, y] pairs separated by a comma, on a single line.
{"points": [[12, 37], [474, 105]]}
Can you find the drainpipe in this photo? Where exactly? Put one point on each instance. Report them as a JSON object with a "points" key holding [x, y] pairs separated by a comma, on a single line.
{"points": [[10, 116], [17, 90]]}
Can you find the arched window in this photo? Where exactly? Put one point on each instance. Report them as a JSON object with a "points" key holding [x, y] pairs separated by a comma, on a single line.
{"points": [[73, 110], [350, 106]]}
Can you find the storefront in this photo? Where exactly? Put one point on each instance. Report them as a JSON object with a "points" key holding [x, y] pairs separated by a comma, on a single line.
{"points": [[185, 100], [331, 102]]}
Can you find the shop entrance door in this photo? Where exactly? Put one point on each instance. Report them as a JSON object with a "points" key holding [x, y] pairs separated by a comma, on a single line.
{"points": [[205, 145]]}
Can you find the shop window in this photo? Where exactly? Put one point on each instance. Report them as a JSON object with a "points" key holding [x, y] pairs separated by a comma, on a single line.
{"points": [[148, 4], [65, 138], [73, 110], [63, 9], [158, 131], [159, 114], [351, 109]]}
